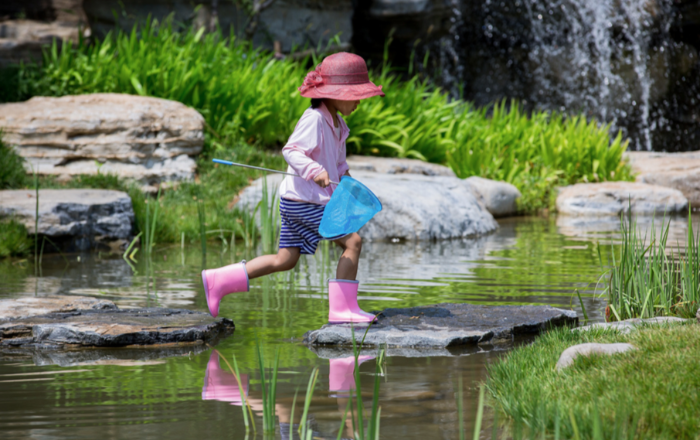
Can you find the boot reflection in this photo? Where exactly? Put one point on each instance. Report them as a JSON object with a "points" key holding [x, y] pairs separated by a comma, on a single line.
{"points": [[342, 374], [341, 383], [222, 385]]}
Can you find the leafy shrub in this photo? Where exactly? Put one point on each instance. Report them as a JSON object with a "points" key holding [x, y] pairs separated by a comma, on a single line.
{"points": [[14, 240], [12, 173], [245, 93]]}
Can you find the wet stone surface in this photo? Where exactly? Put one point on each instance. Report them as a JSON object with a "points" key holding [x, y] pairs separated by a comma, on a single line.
{"points": [[446, 325], [68, 322]]}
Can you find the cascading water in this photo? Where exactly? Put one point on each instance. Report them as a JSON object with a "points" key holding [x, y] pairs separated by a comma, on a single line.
{"points": [[614, 60]]}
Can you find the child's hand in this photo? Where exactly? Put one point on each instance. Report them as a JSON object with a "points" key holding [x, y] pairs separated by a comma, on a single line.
{"points": [[322, 179]]}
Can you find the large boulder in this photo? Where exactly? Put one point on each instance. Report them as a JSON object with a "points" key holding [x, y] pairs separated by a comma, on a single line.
{"points": [[32, 24], [75, 219], [415, 207], [680, 171], [613, 198], [143, 139], [499, 198]]}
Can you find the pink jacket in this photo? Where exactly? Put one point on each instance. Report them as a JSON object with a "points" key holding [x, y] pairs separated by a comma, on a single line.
{"points": [[313, 148]]}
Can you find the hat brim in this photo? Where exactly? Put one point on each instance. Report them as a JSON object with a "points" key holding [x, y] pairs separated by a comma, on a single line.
{"points": [[344, 92]]}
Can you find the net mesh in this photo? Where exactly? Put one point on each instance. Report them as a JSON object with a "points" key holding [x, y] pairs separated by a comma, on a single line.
{"points": [[351, 206]]}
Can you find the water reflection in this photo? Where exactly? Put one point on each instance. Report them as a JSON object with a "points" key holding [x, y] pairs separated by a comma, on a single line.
{"points": [[134, 394]]}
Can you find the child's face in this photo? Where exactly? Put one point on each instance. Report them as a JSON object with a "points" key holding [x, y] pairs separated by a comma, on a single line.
{"points": [[345, 107]]}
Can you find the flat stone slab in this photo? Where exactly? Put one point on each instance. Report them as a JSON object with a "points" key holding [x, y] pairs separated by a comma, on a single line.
{"points": [[71, 323], [628, 325], [446, 325], [680, 171], [74, 219]]}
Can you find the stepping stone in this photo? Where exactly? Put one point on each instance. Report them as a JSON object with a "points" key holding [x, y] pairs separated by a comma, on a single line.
{"points": [[628, 325], [66, 322], [445, 325], [570, 354]]}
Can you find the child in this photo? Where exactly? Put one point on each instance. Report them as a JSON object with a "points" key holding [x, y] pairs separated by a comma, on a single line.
{"points": [[316, 153]]}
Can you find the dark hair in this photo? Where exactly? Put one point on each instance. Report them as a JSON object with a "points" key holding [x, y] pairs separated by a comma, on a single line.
{"points": [[316, 102]]}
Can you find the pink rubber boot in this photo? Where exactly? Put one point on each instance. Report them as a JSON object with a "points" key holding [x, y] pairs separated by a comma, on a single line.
{"points": [[222, 385], [342, 303], [341, 376], [222, 281]]}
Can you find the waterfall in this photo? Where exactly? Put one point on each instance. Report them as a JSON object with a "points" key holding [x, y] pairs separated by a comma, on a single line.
{"points": [[607, 59]]}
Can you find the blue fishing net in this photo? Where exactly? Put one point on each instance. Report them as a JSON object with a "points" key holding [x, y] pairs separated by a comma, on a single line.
{"points": [[351, 206]]}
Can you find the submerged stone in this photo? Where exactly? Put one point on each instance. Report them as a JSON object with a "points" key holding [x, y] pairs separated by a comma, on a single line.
{"points": [[67, 322], [445, 325]]}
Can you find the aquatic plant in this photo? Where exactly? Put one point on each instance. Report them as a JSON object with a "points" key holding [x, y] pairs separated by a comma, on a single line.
{"points": [[269, 390], [375, 415], [651, 278], [597, 397], [247, 94]]}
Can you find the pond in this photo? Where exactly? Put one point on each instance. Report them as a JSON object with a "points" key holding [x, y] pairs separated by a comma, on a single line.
{"points": [[189, 394]]}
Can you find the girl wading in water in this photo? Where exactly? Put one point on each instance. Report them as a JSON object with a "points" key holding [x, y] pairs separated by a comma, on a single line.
{"points": [[316, 152]]}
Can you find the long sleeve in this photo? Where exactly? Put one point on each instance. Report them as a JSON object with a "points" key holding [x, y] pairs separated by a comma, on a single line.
{"points": [[302, 147], [343, 166]]}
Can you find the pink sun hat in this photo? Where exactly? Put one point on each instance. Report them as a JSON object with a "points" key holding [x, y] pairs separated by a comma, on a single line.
{"points": [[341, 76]]}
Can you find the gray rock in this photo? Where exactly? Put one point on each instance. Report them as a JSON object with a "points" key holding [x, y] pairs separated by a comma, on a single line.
{"points": [[123, 357], [139, 138], [344, 351], [77, 218], [680, 171], [104, 326], [570, 354], [394, 165], [500, 198], [445, 325], [629, 325], [294, 23], [613, 198], [415, 207]]}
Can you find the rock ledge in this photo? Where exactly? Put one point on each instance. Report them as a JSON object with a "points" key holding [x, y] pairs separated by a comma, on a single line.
{"points": [[69, 322]]}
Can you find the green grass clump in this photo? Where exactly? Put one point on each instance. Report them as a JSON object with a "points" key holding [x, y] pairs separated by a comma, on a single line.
{"points": [[246, 93], [14, 239], [650, 278], [12, 173], [648, 393]]}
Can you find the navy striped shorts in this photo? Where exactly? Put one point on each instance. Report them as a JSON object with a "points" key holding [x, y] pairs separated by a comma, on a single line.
{"points": [[300, 222]]}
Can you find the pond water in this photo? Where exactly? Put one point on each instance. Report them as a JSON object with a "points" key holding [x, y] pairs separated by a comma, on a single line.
{"points": [[188, 393]]}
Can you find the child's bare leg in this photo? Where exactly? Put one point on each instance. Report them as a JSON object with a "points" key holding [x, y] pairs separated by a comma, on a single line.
{"points": [[285, 259], [347, 265]]}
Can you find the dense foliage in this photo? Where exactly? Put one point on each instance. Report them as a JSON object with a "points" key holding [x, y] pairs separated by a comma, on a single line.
{"points": [[12, 173], [245, 93], [14, 241]]}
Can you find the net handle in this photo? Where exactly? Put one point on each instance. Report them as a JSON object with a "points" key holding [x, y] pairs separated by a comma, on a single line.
{"points": [[226, 162]]}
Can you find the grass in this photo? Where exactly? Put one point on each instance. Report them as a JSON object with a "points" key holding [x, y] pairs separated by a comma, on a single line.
{"points": [[648, 393], [14, 240], [651, 277], [246, 94], [12, 173]]}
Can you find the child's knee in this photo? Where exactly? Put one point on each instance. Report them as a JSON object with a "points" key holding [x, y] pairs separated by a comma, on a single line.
{"points": [[354, 243]]}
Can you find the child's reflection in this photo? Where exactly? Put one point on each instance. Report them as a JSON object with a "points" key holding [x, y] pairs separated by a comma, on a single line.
{"points": [[222, 385]]}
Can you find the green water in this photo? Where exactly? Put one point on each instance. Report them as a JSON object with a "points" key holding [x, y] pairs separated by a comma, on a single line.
{"points": [[136, 394]]}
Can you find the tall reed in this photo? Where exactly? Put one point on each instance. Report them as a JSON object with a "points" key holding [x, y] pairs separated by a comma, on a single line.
{"points": [[269, 390], [650, 278]]}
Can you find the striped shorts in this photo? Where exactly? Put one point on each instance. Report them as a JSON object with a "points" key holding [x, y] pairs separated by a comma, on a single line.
{"points": [[300, 222]]}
